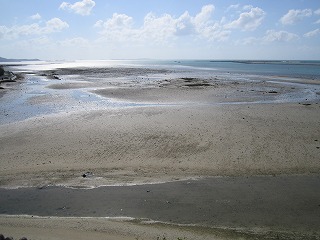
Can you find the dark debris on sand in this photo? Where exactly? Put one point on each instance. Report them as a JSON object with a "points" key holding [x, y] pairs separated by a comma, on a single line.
{"points": [[10, 238], [105, 72]]}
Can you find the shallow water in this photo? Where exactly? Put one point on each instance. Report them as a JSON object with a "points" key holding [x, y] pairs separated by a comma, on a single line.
{"points": [[35, 97], [279, 203]]}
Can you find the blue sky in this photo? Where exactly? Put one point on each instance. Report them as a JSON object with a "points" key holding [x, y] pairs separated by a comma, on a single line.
{"points": [[160, 29]]}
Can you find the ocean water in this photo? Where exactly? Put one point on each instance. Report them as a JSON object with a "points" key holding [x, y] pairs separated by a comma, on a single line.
{"points": [[297, 69]]}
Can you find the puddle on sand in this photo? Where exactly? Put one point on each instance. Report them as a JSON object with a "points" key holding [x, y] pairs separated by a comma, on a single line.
{"points": [[32, 98], [15, 104]]}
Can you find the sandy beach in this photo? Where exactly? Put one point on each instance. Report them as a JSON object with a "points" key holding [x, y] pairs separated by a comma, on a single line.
{"points": [[172, 126]]}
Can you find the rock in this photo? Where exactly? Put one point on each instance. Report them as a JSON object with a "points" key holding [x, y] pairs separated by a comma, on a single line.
{"points": [[10, 238], [87, 174], [198, 85], [1, 71]]}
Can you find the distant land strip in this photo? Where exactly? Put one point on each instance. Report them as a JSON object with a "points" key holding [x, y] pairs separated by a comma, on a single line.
{"points": [[291, 62], [17, 60]]}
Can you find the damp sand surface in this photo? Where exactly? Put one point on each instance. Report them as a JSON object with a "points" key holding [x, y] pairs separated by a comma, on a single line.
{"points": [[254, 206], [159, 144]]}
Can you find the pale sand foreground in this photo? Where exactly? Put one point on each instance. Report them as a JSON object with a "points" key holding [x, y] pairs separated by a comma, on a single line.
{"points": [[160, 143], [52, 228], [92, 228]]}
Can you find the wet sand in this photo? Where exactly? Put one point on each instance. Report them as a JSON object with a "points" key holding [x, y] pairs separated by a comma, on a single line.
{"points": [[279, 203], [254, 206], [166, 129]]}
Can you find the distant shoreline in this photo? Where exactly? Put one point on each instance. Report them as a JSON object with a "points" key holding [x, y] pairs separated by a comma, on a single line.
{"points": [[290, 62], [17, 60]]}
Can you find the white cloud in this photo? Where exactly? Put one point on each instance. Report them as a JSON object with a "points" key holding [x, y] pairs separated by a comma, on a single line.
{"points": [[82, 8], [98, 24], [53, 25], [160, 29], [237, 6], [185, 25], [249, 41], [215, 33], [36, 16], [204, 16], [317, 12], [77, 41], [117, 28], [247, 7], [42, 42], [206, 28], [272, 36], [232, 7], [312, 33], [294, 16], [39, 41], [248, 21], [119, 21]]}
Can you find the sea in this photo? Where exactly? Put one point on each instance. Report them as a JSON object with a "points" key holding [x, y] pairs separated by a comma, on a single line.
{"points": [[285, 68], [297, 69]]}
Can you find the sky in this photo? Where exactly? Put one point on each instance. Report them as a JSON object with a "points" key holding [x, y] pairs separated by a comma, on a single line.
{"points": [[160, 29]]}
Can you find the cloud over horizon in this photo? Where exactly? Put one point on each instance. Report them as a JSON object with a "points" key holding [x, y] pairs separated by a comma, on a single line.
{"points": [[248, 21], [294, 16], [195, 30], [272, 35], [83, 8], [36, 16], [51, 26], [160, 28], [312, 33]]}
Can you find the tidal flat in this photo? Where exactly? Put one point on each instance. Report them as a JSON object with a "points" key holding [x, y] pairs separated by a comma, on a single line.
{"points": [[137, 128]]}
